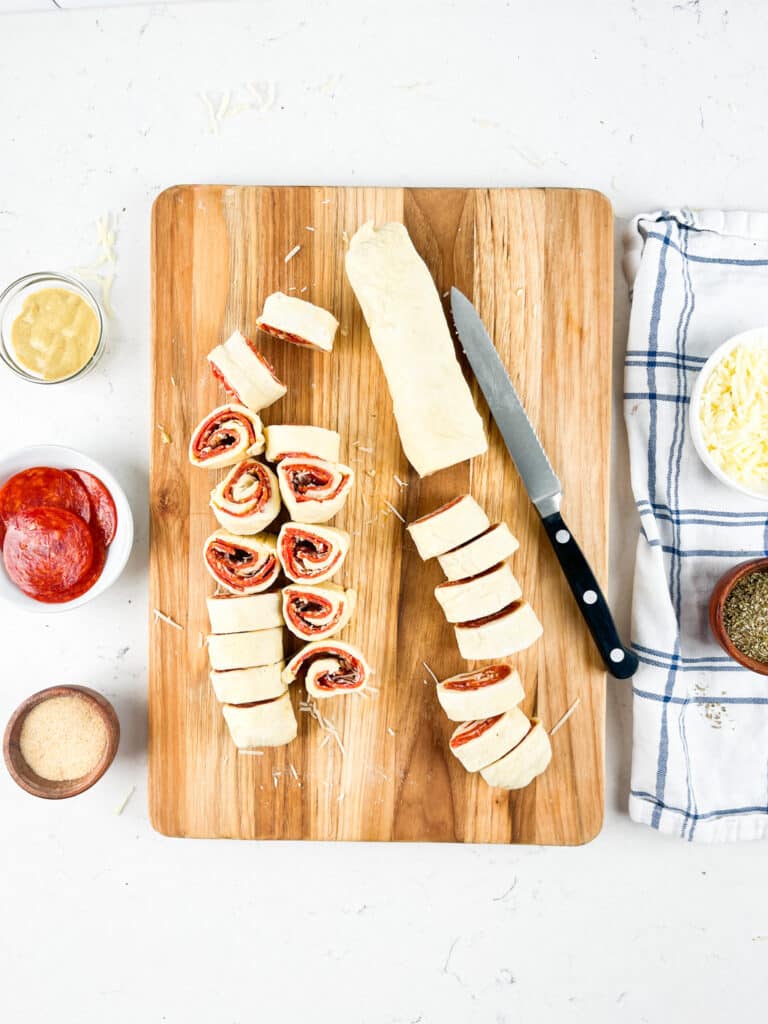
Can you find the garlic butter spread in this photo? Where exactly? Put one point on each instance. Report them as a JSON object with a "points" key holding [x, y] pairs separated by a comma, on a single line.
{"points": [[55, 334]]}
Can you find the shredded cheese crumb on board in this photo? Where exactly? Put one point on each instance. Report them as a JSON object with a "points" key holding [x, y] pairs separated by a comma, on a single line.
{"points": [[733, 414]]}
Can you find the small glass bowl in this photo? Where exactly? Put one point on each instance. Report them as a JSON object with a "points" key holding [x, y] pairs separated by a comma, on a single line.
{"points": [[10, 306]]}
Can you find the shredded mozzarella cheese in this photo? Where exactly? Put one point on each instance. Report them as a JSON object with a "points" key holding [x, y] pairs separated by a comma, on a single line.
{"points": [[734, 414]]}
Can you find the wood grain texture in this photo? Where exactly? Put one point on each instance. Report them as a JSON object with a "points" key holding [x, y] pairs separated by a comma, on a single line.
{"points": [[538, 265]]}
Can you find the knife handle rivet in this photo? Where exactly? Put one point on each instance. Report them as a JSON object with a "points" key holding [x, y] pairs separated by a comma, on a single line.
{"points": [[589, 597], [616, 655], [562, 536]]}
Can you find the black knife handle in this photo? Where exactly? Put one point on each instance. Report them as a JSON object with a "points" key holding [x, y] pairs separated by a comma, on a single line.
{"points": [[619, 660]]}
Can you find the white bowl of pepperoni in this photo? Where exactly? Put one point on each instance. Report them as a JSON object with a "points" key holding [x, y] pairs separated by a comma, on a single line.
{"points": [[65, 526]]}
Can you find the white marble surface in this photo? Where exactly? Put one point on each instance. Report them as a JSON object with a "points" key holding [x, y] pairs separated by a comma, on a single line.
{"points": [[652, 102]]}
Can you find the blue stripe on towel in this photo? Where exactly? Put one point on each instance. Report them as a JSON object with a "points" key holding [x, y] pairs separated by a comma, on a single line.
{"points": [[654, 396], [719, 260], [722, 813]]}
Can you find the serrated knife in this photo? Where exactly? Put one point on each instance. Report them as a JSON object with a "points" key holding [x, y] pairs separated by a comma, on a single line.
{"points": [[541, 482]]}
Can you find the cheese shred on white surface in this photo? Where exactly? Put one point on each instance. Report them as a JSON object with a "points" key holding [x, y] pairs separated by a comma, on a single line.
{"points": [[734, 414]]}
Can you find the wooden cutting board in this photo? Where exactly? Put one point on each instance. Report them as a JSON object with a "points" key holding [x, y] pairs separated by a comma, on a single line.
{"points": [[538, 264]]}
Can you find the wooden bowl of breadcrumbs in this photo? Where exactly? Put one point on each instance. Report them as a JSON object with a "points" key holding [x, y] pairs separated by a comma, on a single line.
{"points": [[60, 741]]}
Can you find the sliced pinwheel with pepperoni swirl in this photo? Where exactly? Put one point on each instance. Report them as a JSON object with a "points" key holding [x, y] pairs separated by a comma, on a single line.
{"points": [[480, 743], [311, 554], [242, 565], [314, 490], [248, 498], [480, 694], [245, 373], [317, 611], [225, 436], [329, 668]]}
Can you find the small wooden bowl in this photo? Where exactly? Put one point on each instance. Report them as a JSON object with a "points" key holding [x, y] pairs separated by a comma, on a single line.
{"points": [[48, 789], [717, 603]]}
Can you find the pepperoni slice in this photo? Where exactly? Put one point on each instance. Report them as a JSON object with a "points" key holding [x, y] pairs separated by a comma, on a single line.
{"points": [[104, 512], [92, 575], [49, 554], [42, 486]]}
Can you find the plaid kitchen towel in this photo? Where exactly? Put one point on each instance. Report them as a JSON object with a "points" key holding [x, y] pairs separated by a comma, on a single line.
{"points": [[700, 750]]}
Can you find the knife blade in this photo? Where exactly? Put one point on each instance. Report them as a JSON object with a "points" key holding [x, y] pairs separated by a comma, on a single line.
{"points": [[540, 480]]}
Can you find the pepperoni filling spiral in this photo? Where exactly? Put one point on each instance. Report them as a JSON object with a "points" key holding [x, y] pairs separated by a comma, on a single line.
{"points": [[329, 668], [474, 730], [310, 553], [316, 612], [243, 566], [312, 613], [314, 479], [226, 434], [248, 488]]}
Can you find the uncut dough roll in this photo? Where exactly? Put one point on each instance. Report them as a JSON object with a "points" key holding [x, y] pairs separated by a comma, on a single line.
{"points": [[298, 321], [245, 685], [311, 554], [506, 632], [242, 565], [477, 744], [245, 650], [483, 693], [452, 524], [248, 498], [479, 595], [225, 436], [245, 373], [231, 614], [523, 763], [285, 441], [329, 667], [269, 723], [491, 547], [436, 417], [314, 490], [315, 611]]}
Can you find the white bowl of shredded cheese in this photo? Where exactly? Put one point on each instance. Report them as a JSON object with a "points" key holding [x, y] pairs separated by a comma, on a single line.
{"points": [[729, 413]]}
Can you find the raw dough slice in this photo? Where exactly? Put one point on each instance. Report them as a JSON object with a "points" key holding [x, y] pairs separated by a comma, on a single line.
{"points": [[317, 611], [479, 595], [311, 554], [497, 636], [522, 764], [298, 321], [329, 668], [225, 436], [247, 499], [436, 417], [314, 490], [477, 744], [452, 524], [245, 685], [269, 723], [242, 565], [289, 442], [230, 614], [245, 373], [491, 547], [480, 694], [245, 650]]}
